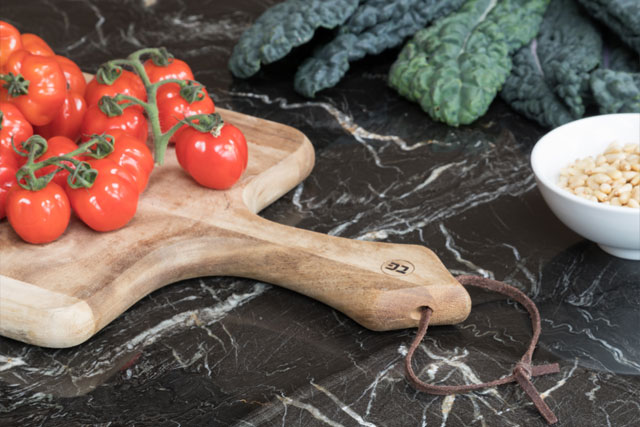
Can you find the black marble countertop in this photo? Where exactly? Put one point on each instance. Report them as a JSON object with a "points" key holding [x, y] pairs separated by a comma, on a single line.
{"points": [[262, 355]]}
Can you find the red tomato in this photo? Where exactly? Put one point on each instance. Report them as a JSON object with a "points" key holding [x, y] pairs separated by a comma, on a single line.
{"points": [[172, 107], [47, 86], [176, 69], [35, 45], [8, 169], [214, 162], [131, 121], [38, 216], [127, 83], [73, 75], [56, 146], [68, 120], [133, 155], [13, 124], [10, 41], [111, 201]]}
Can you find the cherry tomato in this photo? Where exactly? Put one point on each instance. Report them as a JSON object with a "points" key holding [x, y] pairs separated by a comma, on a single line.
{"points": [[127, 83], [38, 216], [8, 169], [172, 107], [68, 120], [176, 69], [133, 155], [111, 201], [73, 75], [214, 162], [35, 45], [10, 41], [13, 124], [56, 146], [47, 86], [131, 121]]}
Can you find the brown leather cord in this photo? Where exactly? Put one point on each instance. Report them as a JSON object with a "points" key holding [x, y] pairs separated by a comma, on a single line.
{"points": [[522, 372]]}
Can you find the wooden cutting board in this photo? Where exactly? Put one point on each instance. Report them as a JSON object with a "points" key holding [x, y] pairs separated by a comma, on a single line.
{"points": [[62, 293]]}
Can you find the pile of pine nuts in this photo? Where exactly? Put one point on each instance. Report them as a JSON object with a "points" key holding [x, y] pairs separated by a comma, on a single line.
{"points": [[612, 178]]}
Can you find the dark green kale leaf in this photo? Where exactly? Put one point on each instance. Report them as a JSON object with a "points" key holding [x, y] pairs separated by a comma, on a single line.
{"points": [[455, 67], [375, 26], [550, 78], [282, 27], [616, 91], [527, 91], [621, 16], [615, 86]]}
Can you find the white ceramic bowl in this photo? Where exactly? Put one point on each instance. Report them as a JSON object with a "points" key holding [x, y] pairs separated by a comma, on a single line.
{"points": [[615, 229]]}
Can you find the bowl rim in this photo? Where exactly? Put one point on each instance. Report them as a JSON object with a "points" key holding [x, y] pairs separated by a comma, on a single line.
{"points": [[554, 187]]}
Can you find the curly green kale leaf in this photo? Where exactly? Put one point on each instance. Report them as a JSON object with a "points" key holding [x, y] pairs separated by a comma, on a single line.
{"points": [[550, 78], [616, 91], [375, 26], [621, 16], [455, 67], [615, 86], [282, 27]]}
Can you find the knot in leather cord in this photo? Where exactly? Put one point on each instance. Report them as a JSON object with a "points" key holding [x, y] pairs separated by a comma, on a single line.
{"points": [[523, 369], [522, 372]]}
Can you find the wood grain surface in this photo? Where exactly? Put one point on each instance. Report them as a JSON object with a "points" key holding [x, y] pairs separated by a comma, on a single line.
{"points": [[62, 293]]}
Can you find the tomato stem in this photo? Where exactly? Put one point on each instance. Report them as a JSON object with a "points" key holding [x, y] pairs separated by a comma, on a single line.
{"points": [[80, 172], [190, 90]]}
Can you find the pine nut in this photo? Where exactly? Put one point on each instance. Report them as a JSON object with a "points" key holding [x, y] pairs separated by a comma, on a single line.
{"points": [[612, 178], [633, 203]]}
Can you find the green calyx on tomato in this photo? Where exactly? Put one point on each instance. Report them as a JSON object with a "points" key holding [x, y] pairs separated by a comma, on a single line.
{"points": [[192, 92], [15, 85], [110, 107], [80, 172], [161, 57], [108, 73], [208, 123]]}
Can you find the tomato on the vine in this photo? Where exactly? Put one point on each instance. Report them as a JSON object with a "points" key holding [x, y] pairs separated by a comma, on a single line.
{"points": [[10, 41], [172, 107], [213, 161], [133, 155], [73, 75], [68, 120], [42, 92], [176, 69], [38, 216], [132, 121], [36, 45], [111, 201], [127, 83], [13, 124], [8, 169], [56, 146]]}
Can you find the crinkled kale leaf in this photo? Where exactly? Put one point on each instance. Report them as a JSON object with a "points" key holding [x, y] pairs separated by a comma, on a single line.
{"points": [[621, 16], [455, 67], [616, 91], [282, 27], [615, 86], [550, 77], [375, 26], [527, 91]]}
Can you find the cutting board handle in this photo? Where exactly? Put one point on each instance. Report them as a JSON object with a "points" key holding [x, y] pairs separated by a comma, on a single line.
{"points": [[379, 285]]}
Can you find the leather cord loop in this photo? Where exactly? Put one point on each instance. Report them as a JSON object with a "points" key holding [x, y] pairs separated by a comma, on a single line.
{"points": [[522, 372]]}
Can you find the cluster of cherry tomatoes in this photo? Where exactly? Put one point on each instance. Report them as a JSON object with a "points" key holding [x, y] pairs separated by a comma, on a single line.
{"points": [[45, 94]]}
